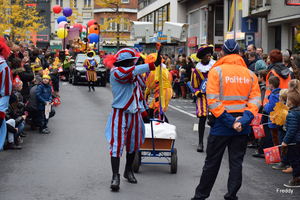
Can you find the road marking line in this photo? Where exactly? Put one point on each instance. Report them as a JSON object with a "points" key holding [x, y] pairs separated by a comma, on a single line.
{"points": [[182, 111], [188, 106], [196, 127]]}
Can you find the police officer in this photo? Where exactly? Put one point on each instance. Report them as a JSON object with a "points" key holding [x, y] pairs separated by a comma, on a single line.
{"points": [[233, 97]]}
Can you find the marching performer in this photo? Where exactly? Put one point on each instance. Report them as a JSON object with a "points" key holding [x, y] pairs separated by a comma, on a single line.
{"points": [[90, 64], [6, 88], [153, 82], [199, 78], [125, 124]]}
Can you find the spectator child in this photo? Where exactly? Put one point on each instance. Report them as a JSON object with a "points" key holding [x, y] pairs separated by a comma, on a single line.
{"points": [[274, 82], [281, 133], [294, 86], [264, 143], [293, 136], [175, 84], [181, 83], [43, 97], [14, 122], [188, 84]]}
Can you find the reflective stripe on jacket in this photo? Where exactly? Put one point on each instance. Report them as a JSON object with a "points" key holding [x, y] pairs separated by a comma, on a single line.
{"points": [[232, 87], [284, 84]]}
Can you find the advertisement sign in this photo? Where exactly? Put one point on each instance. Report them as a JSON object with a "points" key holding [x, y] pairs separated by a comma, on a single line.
{"points": [[292, 2], [192, 41]]}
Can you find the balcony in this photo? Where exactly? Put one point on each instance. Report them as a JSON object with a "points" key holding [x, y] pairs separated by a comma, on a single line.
{"points": [[259, 8]]}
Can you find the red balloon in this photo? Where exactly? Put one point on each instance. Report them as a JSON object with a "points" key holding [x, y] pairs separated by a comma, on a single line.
{"points": [[91, 22], [92, 29], [78, 25], [56, 9]]}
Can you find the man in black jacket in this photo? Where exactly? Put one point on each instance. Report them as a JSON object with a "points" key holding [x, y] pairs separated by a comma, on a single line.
{"points": [[241, 53]]}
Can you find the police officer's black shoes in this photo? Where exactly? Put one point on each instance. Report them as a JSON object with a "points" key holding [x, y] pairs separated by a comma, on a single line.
{"points": [[200, 147], [128, 174], [115, 182]]}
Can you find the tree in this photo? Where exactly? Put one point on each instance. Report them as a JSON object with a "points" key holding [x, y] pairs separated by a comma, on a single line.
{"points": [[20, 17], [114, 20], [75, 14]]}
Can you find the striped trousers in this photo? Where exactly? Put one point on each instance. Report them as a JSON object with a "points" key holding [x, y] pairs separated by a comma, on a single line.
{"points": [[124, 129]]}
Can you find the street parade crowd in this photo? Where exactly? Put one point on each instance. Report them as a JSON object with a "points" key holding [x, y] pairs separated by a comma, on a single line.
{"points": [[29, 82], [231, 90]]}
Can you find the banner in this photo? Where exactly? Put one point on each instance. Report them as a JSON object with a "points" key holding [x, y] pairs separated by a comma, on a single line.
{"points": [[258, 131]]}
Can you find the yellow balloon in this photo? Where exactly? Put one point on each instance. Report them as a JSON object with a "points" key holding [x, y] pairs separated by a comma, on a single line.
{"points": [[298, 38], [62, 33]]}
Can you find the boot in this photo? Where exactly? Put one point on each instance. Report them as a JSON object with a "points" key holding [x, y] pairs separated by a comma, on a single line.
{"points": [[200, 147], [89, 89], [128, 174], [93, 88], [13, 146], [115, 182]]}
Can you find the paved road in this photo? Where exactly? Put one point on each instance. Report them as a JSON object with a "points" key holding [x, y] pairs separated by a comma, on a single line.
{"points": [[73, 163]]}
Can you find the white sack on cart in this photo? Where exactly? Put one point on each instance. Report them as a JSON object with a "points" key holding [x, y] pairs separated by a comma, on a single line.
{"points": [[161, 130]]}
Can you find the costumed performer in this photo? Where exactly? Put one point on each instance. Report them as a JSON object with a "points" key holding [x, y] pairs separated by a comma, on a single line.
{"points": [[6, 88], [199, 75], [125, 124], [90, 64], [153, 83]]}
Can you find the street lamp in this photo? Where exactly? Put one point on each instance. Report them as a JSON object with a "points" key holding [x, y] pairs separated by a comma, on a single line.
{"points": [[98, 27]]}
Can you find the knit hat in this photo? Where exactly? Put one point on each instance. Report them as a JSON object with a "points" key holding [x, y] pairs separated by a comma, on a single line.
{"points": [[230, 46], [260, 65], [12, 98]]}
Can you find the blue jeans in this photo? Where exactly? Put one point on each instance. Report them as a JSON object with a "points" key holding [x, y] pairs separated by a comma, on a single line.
{"points": [[281, 134], [42, 120], [20, 128]]}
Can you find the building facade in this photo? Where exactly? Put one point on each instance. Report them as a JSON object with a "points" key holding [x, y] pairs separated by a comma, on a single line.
{"points": [[84, 7], [108, 43], [158, 12]]}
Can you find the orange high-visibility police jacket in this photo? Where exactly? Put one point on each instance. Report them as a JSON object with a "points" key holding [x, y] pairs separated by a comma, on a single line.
{"points": [[231, 86]]}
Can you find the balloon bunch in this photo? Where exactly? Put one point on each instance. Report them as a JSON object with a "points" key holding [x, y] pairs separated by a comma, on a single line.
{"points": [[91, 31], [62, 20]]}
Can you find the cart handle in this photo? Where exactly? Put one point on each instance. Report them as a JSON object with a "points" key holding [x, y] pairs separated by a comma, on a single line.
{"points": [[157, 120]]}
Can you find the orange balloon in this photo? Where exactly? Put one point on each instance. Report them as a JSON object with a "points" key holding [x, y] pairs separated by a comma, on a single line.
{"points": [[92, 29]]}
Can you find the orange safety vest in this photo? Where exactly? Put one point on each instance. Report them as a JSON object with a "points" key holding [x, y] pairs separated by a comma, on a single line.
{"points": [[231, 86], [284, 84]]}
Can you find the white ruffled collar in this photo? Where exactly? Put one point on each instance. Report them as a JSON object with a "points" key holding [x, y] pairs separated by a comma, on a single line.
{"points": [[205, 68]]}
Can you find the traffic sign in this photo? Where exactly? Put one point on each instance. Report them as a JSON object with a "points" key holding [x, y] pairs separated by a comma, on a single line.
{"points": [[49, 49], [249, 25], [138, 48], [249, 39]]}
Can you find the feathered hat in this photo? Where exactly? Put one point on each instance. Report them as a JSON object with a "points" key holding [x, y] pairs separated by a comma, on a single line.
{"points": [[120, 58], [46, 74], [4, 49], [204, 49]]}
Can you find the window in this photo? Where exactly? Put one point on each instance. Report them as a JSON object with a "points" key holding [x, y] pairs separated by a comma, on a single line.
{"points": [[74, 2], [203, 24], [102, 20], [125, 26], [125, 1], [112, 25], [87, 3], [59, 2], [194, 20], [219, 21]]}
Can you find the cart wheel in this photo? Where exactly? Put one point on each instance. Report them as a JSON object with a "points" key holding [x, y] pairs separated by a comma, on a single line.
{"points": [[136, 162], [174, 161]]}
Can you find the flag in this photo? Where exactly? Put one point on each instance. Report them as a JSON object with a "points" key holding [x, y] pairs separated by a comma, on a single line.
{"points": [[257, 120], [258, 131], [56, 102], [272, 155], [17, 81]]}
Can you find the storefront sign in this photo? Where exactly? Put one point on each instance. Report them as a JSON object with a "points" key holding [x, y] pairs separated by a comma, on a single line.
{"points": [[192, 41], [43, 38], [292, 2]]}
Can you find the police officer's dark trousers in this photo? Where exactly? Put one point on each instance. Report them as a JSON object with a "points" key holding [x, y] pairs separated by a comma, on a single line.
{"points": [[216, 146]]}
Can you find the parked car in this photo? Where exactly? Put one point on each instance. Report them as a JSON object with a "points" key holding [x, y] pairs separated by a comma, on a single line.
{"points": [[78, 71]]}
